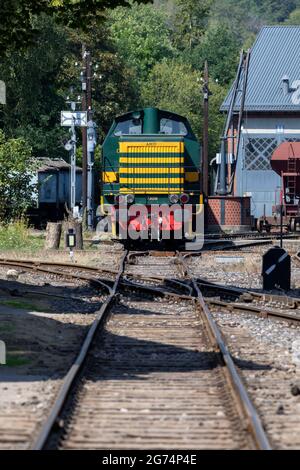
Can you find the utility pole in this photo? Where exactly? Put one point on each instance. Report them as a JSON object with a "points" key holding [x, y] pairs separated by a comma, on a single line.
{"points": [[86, 106], [88, 141], [206, 94], [73, 166]]}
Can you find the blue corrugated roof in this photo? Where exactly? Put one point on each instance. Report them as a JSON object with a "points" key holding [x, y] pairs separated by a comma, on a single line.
{"points": [[275, 54]]}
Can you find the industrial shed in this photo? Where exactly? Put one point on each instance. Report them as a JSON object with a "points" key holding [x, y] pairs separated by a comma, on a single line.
{"points": [[53, 179], [271, 114]]}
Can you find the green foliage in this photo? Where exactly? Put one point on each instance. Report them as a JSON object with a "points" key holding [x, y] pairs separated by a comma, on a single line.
{"points": [[16, 236], [39, 78], [112, 89], [219, 47], [13, 360], [16, 170], [177, 87], [33, 104], [190, 22], [142, 37], [147, 55], [17, 29], [294, 18]]}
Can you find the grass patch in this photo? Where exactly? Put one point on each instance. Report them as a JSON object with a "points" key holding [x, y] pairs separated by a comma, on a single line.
{"points": [[21, 304], [14, 361], [17, 236]]}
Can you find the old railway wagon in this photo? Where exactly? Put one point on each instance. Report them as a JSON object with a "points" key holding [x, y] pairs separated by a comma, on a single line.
{"points": [[151, 158]]}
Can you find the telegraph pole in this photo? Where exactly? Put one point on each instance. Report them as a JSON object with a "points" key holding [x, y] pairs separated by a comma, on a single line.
{"points": [[85, 87], [206, 94], [88, 141]]}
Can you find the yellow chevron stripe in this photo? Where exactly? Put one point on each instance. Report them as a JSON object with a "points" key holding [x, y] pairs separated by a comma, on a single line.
{"points": [[151, 147], [152, 170], [109, 177], [151, 180], [152, 160]]}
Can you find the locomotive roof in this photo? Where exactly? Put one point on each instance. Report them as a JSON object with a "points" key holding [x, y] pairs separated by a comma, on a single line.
{"points": [[129, 113]]}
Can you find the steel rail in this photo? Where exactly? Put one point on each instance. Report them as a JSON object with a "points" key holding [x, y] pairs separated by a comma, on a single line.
{"points": [[290, 302], [254, 423], [252, 234], [257, 310], [65, 274], [73, 372], [32, 265], [81, 267]]}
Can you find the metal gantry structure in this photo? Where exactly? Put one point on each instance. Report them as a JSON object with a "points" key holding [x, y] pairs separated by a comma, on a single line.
{"points": [[231, 138]]}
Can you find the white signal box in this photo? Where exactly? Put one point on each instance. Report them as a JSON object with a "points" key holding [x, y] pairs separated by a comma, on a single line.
{"points": [[76, 118]]}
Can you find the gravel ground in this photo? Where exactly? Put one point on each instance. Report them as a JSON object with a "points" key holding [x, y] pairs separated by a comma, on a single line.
{"points": [[245, 273], [43, 334], [265, 352]]}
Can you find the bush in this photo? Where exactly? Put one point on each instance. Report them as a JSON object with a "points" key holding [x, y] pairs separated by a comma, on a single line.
{"points": [[16, 172], [16, 236]]}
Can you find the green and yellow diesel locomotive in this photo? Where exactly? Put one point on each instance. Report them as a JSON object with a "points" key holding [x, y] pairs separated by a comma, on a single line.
{"points": [[150, 158]]}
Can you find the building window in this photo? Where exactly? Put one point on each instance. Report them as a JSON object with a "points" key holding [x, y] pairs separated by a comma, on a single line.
{"points": [[258, 152]]}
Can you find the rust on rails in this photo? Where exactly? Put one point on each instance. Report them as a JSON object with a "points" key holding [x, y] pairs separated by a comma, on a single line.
{"points": [[77, 365], [170, 347], [261, 312], [251, 416]]}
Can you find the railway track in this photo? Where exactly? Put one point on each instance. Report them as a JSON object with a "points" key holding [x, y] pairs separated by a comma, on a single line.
{"points": [[154, 370], [244, 299], [154, 373]]}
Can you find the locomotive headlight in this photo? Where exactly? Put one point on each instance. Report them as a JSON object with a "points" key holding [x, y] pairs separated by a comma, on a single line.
{"points": [[119, 199], [130, 198], [173, 198], [184, 198]]}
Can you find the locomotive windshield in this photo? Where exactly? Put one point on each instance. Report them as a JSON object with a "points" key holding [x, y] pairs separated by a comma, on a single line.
{"points": [[129, 127], [170, 126], [167, 126]]}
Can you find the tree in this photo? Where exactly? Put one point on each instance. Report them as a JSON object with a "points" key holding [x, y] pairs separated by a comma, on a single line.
{"points": [[113, 86], [177, 87], [33, 104], [17, 17], [142, 37], [190, 22], [294, 18], [16, 171], [220, 47], [38, 81], [276, 10]]}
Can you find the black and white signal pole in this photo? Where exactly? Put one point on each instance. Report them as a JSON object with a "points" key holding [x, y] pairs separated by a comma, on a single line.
{"points": [[88, 140]]}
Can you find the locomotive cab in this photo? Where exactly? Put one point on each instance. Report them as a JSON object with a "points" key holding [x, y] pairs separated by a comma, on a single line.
{"points": [[151, 167]]}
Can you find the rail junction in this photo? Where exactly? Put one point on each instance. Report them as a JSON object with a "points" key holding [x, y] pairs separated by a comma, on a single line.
{"points": [[155, 369]]}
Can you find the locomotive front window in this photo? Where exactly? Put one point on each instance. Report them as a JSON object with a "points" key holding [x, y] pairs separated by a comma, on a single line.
{"points": [[170, 126], [129, 127]]}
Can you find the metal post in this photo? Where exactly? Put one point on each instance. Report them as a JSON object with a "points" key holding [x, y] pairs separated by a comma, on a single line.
{"points": [[281, 226], [223, 189], [84, 131], [90, 212], [205, 176], [73, 167], [91, 145]]}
